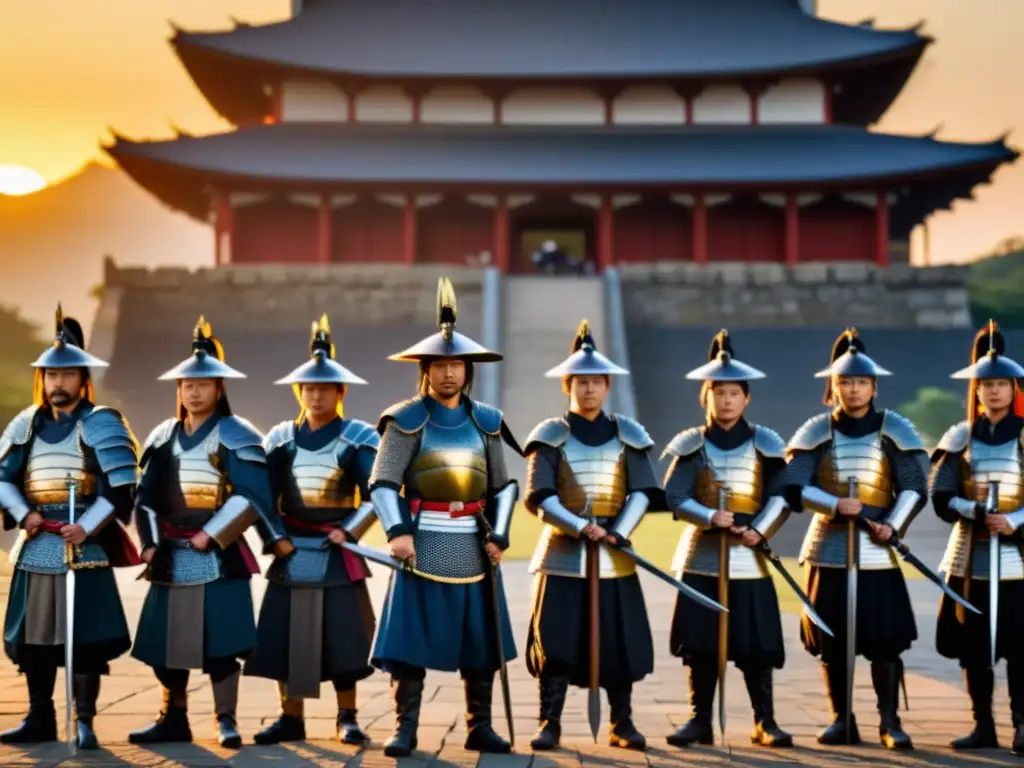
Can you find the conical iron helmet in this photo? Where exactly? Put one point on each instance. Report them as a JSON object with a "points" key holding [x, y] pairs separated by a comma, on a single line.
{"points": [[849, 358], [322, 368], [447, 343], [67, 350], [988, 358], [206, 360], [584, 359], [721, 365]]}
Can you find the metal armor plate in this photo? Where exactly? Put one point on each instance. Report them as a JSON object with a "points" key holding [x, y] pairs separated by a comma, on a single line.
{"points": [[202, 483], [982, 464], [741, 472], [597, 473], [189, 566], [318, 481], [48, 466], [48, 553], [308, 565]]}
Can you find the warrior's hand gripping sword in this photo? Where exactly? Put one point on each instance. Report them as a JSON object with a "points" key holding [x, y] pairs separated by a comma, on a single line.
{"points": [[69, 624]]}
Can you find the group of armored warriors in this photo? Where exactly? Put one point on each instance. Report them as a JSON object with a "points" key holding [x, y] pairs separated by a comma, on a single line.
{"points": [[433, 473]]}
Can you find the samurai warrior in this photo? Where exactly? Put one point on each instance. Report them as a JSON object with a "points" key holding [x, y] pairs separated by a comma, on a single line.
{"points": [[729, 460], [443, 610], [863, 473], [316, 622], [590, 480], [977, 484], [204, 482], [64, 438]]}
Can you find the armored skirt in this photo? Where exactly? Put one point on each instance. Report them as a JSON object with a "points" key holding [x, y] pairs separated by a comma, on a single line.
{"points": [[885, 617], [968, 640], [755, 624], [559, 631], [317, 624]]}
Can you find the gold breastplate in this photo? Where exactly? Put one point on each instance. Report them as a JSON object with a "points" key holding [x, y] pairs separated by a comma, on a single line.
{"points": [[597, 473], [48, 466], [984, 464], [202, 482], [451, 464], [739, 471], [861, 458], [319, 481]]}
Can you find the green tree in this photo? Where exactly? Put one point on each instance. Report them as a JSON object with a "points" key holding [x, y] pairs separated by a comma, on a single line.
{"points": [[933, 411], [993, 285], [19, 346]]}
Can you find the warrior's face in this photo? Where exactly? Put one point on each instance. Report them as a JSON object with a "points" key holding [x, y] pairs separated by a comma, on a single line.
{"points": [[587, 394], [854, 392], [726, 402], [199, 396], [321, 400], [996, 395], [447, 377], [63, 386]]}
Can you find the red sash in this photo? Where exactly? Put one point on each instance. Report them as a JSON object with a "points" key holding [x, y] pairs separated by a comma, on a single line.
{"points": [[123, 556], [453, 508]]}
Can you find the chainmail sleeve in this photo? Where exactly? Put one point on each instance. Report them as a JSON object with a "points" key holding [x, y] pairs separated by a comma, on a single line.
{"points": [[541, 475], [910, 471], [396, 451], [799, 473], [945, 483]]}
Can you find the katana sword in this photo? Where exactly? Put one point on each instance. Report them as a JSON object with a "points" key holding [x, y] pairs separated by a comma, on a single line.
{"points": [[776, 562], [723, 617], [69, 623], [683, 587], [594, 599], [991, 508], [375, 556], [852, 541]]}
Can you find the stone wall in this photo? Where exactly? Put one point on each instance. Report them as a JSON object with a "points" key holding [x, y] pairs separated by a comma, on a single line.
{"points": [[680, 294]]}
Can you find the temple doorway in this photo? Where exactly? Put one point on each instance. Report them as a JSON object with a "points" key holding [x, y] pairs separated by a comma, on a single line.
{"points": [[572, 238]]}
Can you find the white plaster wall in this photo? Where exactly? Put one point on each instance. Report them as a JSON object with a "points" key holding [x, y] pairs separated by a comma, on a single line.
{"points": [[553, 106], [312, 101], [456, 104], [722, 104], [383, 103], [649, 105], [796, 100]]}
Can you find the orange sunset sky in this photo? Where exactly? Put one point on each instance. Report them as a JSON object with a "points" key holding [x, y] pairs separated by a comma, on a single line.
{"points": [[69, 69]]}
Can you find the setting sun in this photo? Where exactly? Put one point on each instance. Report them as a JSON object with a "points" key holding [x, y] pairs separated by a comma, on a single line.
{"points": [[19, 180]]}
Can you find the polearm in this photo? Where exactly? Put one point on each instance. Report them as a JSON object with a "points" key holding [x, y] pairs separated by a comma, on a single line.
{"points": [[723, 617], [594, 600], [852, 540], [991, 507], [69, 623]]}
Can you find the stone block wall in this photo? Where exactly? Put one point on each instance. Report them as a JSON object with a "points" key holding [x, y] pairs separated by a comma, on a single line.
{"points": [[681, 294]]}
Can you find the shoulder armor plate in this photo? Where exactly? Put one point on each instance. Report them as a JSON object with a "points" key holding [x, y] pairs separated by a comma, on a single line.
{"points": [[157, 438], [815, 431], [409, 416], [241, 437], [686, 443], [769, 443], [18, 431], [360, 434], [632, 433], [279, 435], [901, 431], [956, 438], [117, 452], [551, 432], [486, 417]]}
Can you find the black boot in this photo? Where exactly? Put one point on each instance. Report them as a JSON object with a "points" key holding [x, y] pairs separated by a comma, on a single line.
{"points": [[835, 687], [225, 702], [480, 733], [289, 726], [40, 724], [886, 676], [622, 732], [979, 682], [700, 729], [172, 724], [766, 731], [552, 699], [408, 696], [87, 690], [349, 731]]}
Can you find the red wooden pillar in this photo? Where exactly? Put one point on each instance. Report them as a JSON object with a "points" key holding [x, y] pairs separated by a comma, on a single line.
{"points": [[688, 92], [323, 240], [792, 230], [826, 90], [882, 230], [700, 230], [224, 229], [501, 235], [605, 234], [410, 229]]}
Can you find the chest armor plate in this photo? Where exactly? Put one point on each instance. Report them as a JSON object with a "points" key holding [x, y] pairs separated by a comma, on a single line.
{"points": [[451, 464], [318, 481], [201, 480], [863, 459], [47, 469], [594, 472]]}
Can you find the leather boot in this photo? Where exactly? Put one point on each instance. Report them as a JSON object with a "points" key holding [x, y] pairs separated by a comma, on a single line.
{"points": [[40, 724], [87, 690], [622, 732], [289, 726], [886, 676], [480, 733], [979, 682], [225, 702], [835, 687], [349, 731], [699, 729], [408, 696], [552, 700], [766, 731], [171, 726]]}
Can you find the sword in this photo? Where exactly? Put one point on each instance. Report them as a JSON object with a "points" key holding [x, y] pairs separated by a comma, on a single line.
{"points": [[69, 623], [776, 562], [376, 556], [723, 617], [683, 587], [594, 595], [991, 508], [852, 536]]}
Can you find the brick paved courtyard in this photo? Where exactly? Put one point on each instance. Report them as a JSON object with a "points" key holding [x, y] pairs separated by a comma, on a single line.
{"points": [[130, 699]]}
